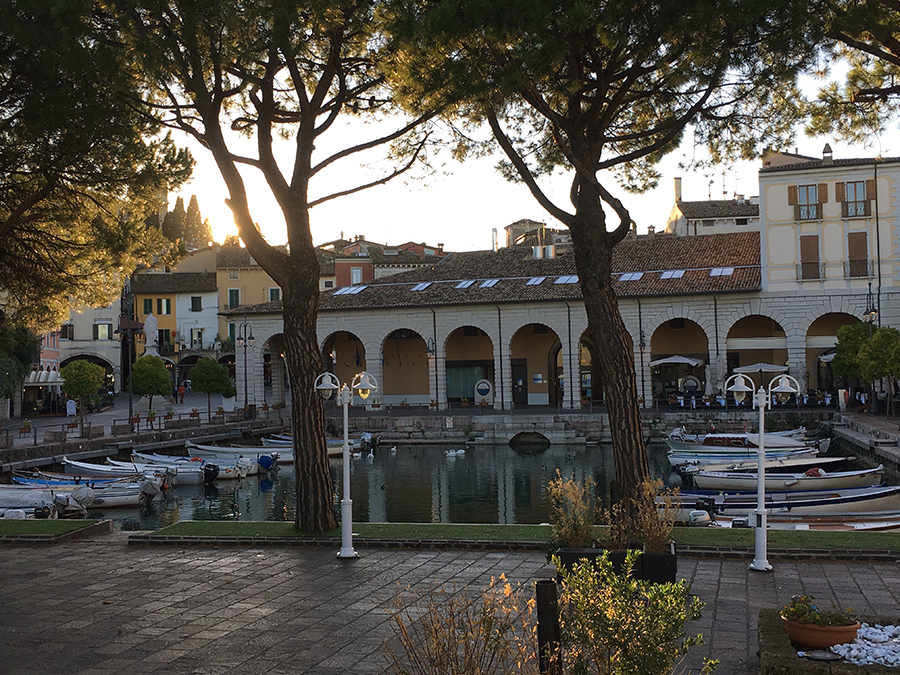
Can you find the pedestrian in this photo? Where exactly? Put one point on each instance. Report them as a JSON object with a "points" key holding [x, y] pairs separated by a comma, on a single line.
{"points": [[181, 392]]}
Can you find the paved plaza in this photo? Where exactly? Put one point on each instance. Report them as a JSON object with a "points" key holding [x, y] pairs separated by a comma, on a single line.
{"points": [[99, 606]]}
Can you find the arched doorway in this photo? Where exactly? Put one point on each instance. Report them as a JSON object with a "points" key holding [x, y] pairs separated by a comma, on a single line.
{"points": [[821, 339], [469, 358], [344, 355], [679, 350], [756, 339], [535, 366], [404, 374]]}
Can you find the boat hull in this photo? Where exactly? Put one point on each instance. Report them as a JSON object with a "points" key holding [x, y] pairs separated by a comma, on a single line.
{"points": [[714, 480]]}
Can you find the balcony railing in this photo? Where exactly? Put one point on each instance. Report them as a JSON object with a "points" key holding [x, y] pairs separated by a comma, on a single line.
{"points": [[855, 269], [810, 271]]}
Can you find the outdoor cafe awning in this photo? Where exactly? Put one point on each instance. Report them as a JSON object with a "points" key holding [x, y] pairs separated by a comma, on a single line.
{"points": [[687, 360], [43, 378]]}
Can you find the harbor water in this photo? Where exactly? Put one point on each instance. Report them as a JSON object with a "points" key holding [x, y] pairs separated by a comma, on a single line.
{"points": [[422, 484]]}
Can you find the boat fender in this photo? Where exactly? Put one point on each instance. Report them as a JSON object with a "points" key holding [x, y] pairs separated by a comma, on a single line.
{"points": [[266, 462], [789, 483]]}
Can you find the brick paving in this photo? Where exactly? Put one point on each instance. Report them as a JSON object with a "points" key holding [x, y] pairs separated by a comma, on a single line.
{"points": [[99, 606]]}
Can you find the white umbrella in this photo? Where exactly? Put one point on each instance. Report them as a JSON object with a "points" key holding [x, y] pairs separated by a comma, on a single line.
{"points": [[827, 358], [708, 390], [687, 360]]}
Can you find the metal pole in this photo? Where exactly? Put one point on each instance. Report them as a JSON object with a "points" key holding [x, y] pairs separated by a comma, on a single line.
{"points": [[547, 627], [759, 561], [346, 503]]}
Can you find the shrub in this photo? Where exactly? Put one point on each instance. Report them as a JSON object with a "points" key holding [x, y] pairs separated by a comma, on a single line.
{"points": [[453, 632], [573, 512], [803, 609], [613, 624], [645, 520]]}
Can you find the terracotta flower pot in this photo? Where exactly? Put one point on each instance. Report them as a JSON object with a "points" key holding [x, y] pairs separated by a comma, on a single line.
{"points": [[819, 637]]}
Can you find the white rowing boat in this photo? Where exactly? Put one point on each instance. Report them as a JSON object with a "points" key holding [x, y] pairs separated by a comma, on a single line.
{"points": [[814, 479], [795, 503]]}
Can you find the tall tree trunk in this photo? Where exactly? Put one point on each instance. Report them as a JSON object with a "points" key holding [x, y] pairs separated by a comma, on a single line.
{"points": [[312, 475], [593, 247]]}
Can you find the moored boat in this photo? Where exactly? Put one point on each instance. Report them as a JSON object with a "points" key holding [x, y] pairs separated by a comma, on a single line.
{"points": [[813, 479], [225, 453], [187, 476], [685, 458], [679, 441], [795, 503], [794, 462]]}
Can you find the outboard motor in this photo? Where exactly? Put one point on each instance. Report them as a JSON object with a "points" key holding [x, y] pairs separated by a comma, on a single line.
{"points": [[210, 472], [707, 504]]}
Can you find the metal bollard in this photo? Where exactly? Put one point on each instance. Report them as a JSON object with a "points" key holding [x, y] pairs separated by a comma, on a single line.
{"points": [[548, 627]]}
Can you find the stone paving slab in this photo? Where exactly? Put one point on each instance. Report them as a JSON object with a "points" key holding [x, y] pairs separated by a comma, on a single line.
{"points": [[100, 606]]}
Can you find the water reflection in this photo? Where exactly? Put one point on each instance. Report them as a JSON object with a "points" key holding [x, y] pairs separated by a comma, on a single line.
{"points": [[486, 484]]}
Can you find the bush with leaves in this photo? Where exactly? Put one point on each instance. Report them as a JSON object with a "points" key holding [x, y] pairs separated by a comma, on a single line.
{"points": [[645, 520], [573, 512], [612, 624], [451, 631]]}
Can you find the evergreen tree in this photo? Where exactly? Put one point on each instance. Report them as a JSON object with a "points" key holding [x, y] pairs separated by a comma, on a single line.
{"points": [[175, 223], [197, 231]]}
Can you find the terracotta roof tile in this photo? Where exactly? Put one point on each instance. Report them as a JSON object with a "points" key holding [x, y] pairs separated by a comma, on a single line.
{"points": [[722, 208], [653, 255], [175, 282]]}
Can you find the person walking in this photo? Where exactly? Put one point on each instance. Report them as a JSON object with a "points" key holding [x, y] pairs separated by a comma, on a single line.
{"points": [[181, 392]]}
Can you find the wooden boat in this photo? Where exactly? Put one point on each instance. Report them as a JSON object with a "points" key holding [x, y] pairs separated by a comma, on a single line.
{"points": [[796, 503], [814, 479], [678, 441], [794, 462], [194, 473]]}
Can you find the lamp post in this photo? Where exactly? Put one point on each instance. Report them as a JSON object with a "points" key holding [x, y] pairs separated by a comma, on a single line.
{"points": [[328, 385], [128, 326], [244, 339], [870, 317], [761, 400]]}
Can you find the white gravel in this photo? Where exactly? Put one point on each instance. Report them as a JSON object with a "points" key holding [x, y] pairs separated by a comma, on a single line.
{"points": [[873, 645]]}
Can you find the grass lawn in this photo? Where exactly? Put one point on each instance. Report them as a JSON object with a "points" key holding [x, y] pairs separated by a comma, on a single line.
{"points": [[54, 527], [685, 536]]}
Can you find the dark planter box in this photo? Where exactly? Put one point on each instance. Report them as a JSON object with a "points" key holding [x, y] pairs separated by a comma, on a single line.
{"points": [[657, 568]]}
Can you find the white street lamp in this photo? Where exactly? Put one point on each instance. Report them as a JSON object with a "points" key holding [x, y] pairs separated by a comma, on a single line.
{"points": [[245, 339], [761, 400], [328, 385]]}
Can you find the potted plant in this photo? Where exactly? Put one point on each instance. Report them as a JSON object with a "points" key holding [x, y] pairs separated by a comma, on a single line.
{"points": [[637, 524], [195, 412], [220, 411], [811, 627], [151, 416], [483, 402], [278, 404], [376, 402], [169, 414], [434, 403], [404, 403], [26, 427], [464, 401]]}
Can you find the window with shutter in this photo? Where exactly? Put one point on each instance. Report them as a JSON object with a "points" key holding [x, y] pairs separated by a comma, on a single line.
{"points": [[808, 205], [858, 254], [854, 204], [809, 256]]}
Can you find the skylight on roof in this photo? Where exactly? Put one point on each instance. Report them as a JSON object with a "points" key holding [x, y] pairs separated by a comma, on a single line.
{"points": [[350, 290], [631, 276], [721, 271], [535, 281], [568, 279], [672, 274], [489, 283], [422, 286], [465, 284]]}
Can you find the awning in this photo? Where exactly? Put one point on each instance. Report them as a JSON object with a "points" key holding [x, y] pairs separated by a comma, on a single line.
{"points": [[762, 368], [43, 378], [687, 360]]}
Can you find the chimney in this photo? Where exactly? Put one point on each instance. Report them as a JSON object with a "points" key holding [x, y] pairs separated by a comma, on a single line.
{"points": [[827, 155], [494, 240], [651, 230], [678, 189]]}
